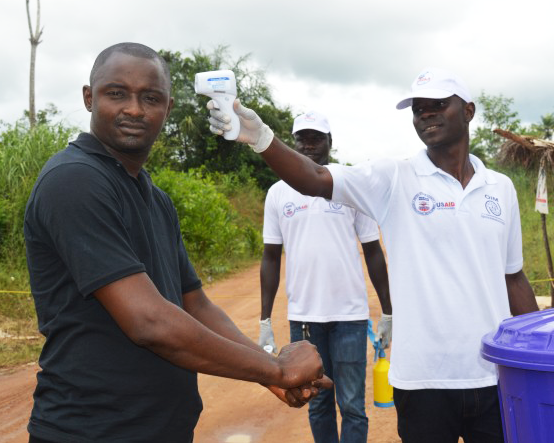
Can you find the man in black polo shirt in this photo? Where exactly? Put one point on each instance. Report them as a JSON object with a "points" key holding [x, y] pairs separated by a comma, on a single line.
{"points": [[126, 321]]}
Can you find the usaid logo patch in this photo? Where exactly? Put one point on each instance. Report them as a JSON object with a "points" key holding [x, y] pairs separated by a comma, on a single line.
{"points": [[289, 209], [423, 204]]}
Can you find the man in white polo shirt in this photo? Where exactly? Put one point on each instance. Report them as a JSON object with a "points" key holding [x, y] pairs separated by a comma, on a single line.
{"points": [[453, 238], [326, 291]]}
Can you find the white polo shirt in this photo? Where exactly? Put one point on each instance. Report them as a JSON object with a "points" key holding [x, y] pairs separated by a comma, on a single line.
{"points": [[448, 252], [324, 275]]}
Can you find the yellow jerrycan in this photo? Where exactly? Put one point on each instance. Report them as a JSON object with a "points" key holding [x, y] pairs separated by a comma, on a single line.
{"points": [[382, 390]]}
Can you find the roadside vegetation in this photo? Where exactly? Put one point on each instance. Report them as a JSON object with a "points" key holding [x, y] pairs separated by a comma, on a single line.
{"points": [[218, 188], [534, 254]]}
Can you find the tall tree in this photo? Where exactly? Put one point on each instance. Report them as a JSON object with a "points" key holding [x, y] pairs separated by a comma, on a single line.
{"points": [[545, 129], [35, 41], [187, 142], [496, 112]]}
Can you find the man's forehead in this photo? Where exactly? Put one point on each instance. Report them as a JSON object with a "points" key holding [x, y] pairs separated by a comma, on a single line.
{"points": [[118, 64], [119, 60]]}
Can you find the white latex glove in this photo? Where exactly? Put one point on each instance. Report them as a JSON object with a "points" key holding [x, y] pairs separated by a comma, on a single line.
{"points": [[384, 330], [252, 129], [266, 335]]}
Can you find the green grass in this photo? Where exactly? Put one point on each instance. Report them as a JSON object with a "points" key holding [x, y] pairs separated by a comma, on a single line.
{"points": [[18, 321], [20, 341], [534, 253]]}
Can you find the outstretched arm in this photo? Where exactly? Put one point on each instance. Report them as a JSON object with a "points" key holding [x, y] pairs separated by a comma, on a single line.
{"points": [[183, 338], [199, 306], [520, 294], [202, 309], [300, 172]]}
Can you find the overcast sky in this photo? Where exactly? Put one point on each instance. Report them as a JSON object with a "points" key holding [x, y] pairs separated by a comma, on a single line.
{"points": [[352, 60]]}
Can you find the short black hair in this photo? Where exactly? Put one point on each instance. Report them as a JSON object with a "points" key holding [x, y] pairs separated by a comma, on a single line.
{"points": [[134, 49]]}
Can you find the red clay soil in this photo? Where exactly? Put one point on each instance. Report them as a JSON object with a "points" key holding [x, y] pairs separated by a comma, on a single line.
{"points": [[234, 411]]}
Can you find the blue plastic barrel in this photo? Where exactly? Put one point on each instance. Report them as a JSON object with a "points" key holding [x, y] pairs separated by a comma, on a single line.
{"points": [[523, 349]]}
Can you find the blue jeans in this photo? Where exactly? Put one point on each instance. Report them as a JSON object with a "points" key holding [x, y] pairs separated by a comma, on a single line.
{"points": [[343, 349]]}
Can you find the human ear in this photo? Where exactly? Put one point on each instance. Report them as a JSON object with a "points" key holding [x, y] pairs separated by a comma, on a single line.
{"points": [[87, 97], [169, 107], [469, 111]]}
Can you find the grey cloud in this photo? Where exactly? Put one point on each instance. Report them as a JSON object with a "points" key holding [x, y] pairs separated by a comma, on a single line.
{"points": [[337, 42]]}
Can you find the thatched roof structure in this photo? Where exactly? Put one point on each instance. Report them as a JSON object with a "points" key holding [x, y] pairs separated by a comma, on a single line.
{"points": [[525, 150]]}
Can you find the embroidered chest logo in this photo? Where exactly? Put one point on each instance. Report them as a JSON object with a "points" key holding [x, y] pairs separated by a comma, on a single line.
{"points": [[423, 204], [493, 208], [334, 208], [289, 209]]}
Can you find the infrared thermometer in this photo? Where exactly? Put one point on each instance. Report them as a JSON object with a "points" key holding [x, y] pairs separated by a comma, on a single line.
{"points": [[220, 86]]}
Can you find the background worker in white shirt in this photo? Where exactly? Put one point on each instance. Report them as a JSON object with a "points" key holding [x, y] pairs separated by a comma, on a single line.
{"points": [[326, 290]]}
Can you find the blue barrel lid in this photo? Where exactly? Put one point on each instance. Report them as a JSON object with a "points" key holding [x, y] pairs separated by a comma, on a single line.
{"points": [[525, 341]]}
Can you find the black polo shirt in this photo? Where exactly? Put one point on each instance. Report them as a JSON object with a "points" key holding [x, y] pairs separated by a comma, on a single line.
{"points": [[89, 223]]}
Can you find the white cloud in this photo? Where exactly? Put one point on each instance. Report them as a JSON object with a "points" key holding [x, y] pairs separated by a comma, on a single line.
{"points": [[350, 59]]}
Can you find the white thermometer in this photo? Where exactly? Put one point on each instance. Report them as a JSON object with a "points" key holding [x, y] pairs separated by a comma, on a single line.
{"points": [[220, 86]]}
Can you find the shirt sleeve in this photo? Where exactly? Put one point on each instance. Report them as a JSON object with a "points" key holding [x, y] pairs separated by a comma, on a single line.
{"points": [[366, 187], [77, 213], [272, 231], [514, 255], [366, 228]]}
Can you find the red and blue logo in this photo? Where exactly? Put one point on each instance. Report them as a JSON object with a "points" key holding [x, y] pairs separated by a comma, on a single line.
{"points": [[290, 209], [423, 204], [424, 78]]}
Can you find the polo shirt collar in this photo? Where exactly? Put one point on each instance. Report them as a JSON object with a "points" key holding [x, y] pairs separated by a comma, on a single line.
{"points": [[88, 143], [424, 166]]}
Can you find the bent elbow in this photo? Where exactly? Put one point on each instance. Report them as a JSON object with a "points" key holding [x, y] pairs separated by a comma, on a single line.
{"points": [[144, 332]]}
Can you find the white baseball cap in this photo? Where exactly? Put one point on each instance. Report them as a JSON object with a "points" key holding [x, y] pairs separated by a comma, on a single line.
{"points": [[436, 83], [311, 120]]}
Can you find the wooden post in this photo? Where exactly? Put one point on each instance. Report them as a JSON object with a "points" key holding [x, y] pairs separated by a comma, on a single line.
{"points": [[548, 258]]}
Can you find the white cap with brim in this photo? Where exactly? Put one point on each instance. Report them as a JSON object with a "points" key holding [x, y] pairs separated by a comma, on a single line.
{"points": [[436, 83], [311, 120]]}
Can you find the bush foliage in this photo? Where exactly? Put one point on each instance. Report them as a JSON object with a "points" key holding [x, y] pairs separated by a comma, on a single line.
{"points": [[215, 235], [186, 142], [23, 152]]}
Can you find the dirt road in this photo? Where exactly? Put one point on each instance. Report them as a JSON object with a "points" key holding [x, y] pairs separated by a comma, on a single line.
{"points": [[234, 412]]}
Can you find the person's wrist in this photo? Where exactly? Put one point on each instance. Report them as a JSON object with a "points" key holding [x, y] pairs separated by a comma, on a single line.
{"points": [[264, 140]]}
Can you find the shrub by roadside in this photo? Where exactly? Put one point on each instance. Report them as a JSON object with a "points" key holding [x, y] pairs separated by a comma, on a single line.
{"points": [[22, 155], [216, 236]]}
